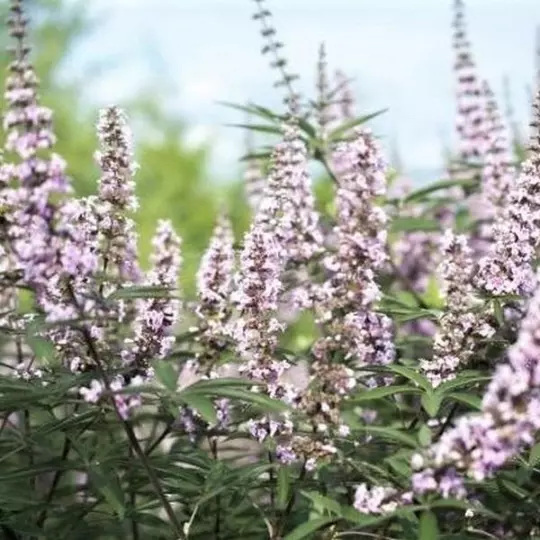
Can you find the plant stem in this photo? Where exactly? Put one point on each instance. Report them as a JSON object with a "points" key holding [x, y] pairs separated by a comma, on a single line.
{"points": [[133, 502], [132, 438], [217, 523], [290, 503], [134, 442]]}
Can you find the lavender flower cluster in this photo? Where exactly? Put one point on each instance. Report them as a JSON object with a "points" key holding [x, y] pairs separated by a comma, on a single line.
{"points": [[112, 321]]}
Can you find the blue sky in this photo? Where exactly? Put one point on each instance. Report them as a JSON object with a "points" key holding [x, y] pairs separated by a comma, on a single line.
{"points": [[398, 51]]}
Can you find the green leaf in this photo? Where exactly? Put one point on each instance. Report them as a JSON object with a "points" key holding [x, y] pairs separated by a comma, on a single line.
{"points": [[263, 128], [464, 505], [283, 486], [461, 380], [166, 374], [348, 125], [202, 404], [320, 502], [412, 375], [498, 311], [410, 224], [141, 292], [106, 482], [534, 455], [42, 348], [211, 386], [307, 128], [424, 436], [514, 489], [242, 394], [253, 110], [468, 399], [389, 433], [378, 393], [309, 527], [432, 297], [428, 528], [421, 194], [431, 402]]}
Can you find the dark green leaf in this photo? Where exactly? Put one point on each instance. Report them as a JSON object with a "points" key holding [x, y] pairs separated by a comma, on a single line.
{"points": [[389, 433], [283, 486], [431, 403], [321, 502], [428, 528], [166, 374], [203, 405], [468, 399], [381, 392], [306, 529]]}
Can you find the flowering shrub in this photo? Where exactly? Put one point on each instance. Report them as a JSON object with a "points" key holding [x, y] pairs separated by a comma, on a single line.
{"points": [[364, 370]]}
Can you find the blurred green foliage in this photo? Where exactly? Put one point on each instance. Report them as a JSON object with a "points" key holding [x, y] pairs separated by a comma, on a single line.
{"points": [[172, 181]]}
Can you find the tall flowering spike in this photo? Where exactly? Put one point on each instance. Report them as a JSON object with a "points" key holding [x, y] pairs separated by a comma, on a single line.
{"points": [[36, 176], [361, 224], [344, 303], [254, 179], [324, 105], [256, 296], [214, 290], [509, 113], [278, 61], [498, 172], [288, 205], [470, 104], [116, 195], [509, 421], [507, 268], [8, 263], [537, 59], [215, 277], [256, 329], [156, 317], [344, 96], [361, 252], [460, 326]]}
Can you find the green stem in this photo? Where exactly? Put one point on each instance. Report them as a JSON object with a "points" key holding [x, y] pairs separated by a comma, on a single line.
{"points": [[132, 438], [134, 442]]}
